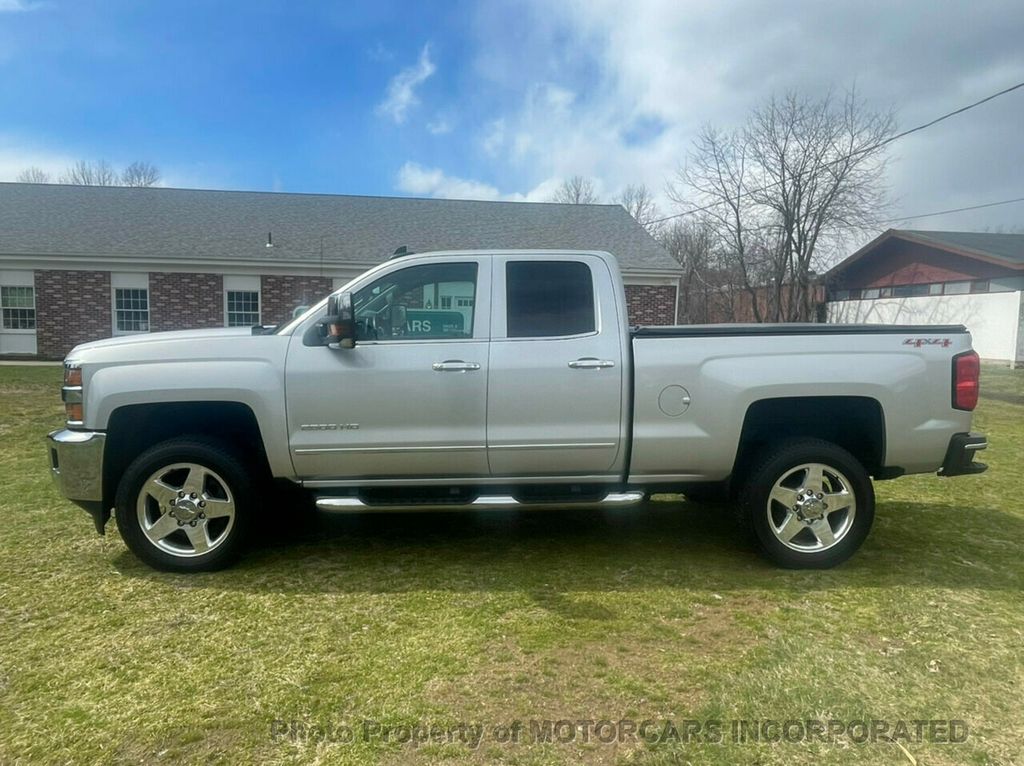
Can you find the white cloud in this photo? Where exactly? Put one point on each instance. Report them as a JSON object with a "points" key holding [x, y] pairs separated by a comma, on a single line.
{"points": [[413, 178], [542, 192], [421, 181], [616, 92], [379, 52], [494, 137], [401, 92], [20, 6], [17, 155], [440, 125], [570, 120]]}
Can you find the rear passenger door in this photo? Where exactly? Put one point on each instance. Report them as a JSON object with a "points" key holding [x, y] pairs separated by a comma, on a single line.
{"points": [[554, 392]]}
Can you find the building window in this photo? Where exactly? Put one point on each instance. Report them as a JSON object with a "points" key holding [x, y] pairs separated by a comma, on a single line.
{"points": [[979, 286], [129, 298], [460, 301], [957, 288], [131, 309], [885, 292], [242, 300], [19, 308], [935, 288], [841, 295], [909, 291], [243, 308], [870, 293]]}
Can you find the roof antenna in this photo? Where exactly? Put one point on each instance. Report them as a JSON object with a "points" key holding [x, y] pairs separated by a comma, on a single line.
{"points": [[403, 250], [270, 239]]}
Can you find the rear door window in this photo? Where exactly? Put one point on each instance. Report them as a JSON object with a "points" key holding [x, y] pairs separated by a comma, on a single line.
{"points": [[547, 299]]}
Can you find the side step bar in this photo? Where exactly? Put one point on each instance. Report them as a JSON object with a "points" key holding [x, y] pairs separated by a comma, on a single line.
{"points": [[482, 503]]}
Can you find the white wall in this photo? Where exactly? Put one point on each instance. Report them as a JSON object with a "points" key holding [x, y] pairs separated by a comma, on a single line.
{"points": [[1020, 332], [994, 319]]}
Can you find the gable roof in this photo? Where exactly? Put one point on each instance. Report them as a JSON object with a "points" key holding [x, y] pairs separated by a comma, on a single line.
{"points": [[1002, 249], [1008, 248], [167, 224]]}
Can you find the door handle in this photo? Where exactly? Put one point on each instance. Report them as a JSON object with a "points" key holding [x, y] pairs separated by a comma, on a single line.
{"points": [[455, 365], [589, 363]]}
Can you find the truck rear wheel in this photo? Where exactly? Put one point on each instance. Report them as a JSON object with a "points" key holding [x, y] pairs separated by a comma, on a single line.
{"points": [[809, 504], [185, 505]]}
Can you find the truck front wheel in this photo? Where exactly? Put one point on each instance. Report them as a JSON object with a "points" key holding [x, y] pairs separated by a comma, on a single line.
{"points": [[809, 504], [184, 505]]}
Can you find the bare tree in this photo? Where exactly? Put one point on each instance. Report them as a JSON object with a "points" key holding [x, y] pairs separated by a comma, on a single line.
{"points": [[85, 173], [33, 175], [140, 174], [641, 205], [100, 173], [824, 165], [691, 243], [786, 189], [718, 176], [577, 190]]}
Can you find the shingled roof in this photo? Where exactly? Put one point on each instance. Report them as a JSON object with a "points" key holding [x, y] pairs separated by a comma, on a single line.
{"points": [[1006, 247], [165, 224], [1002, 249]]}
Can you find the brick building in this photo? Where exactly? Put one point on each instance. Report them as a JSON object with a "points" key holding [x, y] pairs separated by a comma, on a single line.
{"points": [[79, 263]]}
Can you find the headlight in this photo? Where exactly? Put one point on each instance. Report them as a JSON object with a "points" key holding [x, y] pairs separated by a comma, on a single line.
{"points": [[71, 393], [72, 375]]}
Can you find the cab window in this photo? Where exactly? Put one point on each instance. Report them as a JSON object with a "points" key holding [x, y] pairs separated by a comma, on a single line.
{"points": [[429, 302], [549, 298]]}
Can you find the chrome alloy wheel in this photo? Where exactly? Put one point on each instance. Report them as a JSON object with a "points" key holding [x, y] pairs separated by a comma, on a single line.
{"points": [[811, 508], [185, 509]]}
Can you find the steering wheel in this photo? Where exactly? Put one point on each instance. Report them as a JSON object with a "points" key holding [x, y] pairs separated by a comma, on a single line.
{"points": [[366, 329]]}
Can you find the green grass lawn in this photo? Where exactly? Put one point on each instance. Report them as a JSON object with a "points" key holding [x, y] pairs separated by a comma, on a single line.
{"points": [[660, 613]]}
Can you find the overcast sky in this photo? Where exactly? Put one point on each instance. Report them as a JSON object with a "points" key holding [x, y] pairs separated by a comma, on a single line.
{"points": [[499, 99]]}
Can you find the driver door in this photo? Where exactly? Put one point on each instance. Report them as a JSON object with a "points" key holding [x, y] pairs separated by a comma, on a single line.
{"points": [[410, 399]]}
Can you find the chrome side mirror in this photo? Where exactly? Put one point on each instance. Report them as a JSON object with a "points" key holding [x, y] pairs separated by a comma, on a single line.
{"points": [[340, 321]]}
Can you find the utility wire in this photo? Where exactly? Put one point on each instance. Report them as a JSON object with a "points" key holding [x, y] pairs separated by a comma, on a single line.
{"points": [[879, 145], [952, 210]]}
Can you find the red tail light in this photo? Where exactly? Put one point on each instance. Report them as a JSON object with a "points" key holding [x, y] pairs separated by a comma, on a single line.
{"points": [[966, 380]]}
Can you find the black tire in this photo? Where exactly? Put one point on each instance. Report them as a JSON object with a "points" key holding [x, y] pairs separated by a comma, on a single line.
{"points": [[225, 475], [783, 462]]}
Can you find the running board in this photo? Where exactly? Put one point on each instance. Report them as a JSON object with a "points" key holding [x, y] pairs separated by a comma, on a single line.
{"points": [[482, 503]]}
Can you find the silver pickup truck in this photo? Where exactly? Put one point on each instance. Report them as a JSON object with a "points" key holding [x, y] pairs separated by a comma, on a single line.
{"points": [[506, 380]]}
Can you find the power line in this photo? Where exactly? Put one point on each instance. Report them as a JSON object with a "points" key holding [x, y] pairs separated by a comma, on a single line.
{"points": [[863, 150], [952, 210], [946, 116]]}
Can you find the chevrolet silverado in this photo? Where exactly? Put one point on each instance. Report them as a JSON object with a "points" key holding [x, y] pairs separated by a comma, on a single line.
{"points": [[507, 380]]}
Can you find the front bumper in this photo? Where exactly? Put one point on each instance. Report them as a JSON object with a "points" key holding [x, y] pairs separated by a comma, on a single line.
{"points": [[76, 465], [960, 455]]}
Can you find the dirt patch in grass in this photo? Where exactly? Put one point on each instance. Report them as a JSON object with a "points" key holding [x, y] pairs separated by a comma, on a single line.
{"points": [[659, 676], [179, 745], [1007, 397]]}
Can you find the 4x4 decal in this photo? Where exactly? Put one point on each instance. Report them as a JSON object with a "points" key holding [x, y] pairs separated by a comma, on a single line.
{"points": [[918, 342]]}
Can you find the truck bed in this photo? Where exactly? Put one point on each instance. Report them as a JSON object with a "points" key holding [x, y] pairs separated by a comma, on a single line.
{"points": [[695, 384], [792, 328]]}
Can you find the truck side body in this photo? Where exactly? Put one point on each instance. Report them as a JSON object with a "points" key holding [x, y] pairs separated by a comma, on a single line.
{"points": [[484, 377]]}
